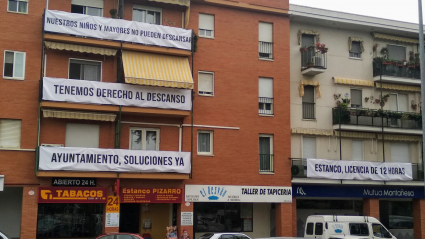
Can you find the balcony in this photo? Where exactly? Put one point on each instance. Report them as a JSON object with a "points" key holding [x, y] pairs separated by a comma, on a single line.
{"points": [[266, 50], [362, 119], [266, 163], [313, 61], [396, 73], [299, 169]]}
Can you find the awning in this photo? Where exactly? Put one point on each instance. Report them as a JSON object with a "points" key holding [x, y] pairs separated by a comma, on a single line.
{"points": [[398, 87], [310, 82], [395, 38], [324, 132], [347, 81], [157, 70], [80, 48], [400, 137], [178, 2], [359, 135], [78, 115]]}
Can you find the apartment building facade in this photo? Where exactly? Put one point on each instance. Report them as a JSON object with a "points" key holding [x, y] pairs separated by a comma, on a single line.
{"points": [[355, 93], [122, 116]]}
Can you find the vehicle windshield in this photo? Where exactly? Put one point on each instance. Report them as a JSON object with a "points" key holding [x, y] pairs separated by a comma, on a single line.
{"points": [[206, 236]]}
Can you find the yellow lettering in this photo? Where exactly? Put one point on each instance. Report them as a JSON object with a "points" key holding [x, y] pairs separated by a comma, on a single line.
{"points": [[99, 193], [58, 192], [72, 193], [179, 191], [65, 194], [79, 194]]}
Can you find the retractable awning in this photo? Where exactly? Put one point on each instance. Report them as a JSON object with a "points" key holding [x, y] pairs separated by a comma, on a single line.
{"points": [[157, 70], [399, 87], [78, 115], [347, 81], [80, 48]]}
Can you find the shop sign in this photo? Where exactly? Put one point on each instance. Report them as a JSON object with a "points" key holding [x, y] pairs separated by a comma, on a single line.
{"points": [[151, 195], [358, 170], [93, 92], [113, 204], [116, 160], [223, 193], [186, 219], [357, 191], [72, 195], [74, 182], [117, 29]]}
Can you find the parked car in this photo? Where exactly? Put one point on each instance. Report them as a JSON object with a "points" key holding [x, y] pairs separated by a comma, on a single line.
{"points": [[224, 235], [119, 235], [3, 236]]}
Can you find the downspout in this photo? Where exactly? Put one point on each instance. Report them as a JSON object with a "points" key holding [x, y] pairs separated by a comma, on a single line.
{"points": [[382, 118], [191, 127], [40, 94]]}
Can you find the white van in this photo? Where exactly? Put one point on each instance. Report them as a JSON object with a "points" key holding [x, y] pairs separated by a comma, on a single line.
{"points": [[334, 226]]}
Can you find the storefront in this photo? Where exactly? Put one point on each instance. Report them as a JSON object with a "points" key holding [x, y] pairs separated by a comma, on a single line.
{"points": [[246, 209], [10, 209]]}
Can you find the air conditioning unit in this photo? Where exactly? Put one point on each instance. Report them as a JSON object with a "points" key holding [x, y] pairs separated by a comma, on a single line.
{"points": [[318, 61], [298, 171], [52, 145]]}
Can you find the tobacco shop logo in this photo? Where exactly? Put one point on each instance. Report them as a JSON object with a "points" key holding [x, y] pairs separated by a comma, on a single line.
{"points": [[213, 193], [46, 194]]}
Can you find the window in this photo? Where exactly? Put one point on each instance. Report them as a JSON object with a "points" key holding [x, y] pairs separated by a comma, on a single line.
{"points": [[14, 65], [396, 52], [82, 135], [380, 231], [146, 14], [318, 230], [357, 154], [400, 152], [85, 70], [307, 40], [144, 139], [20, 6], [355, 51], [206, 25], [205, 83], [222, 217], [309, 228], [205, 142], [265, 94], [87, 7], [265, 38], [309, 147], [308, 102], [266, 153], [398, 102], [10, 133], [356, 98], [308, 56]]}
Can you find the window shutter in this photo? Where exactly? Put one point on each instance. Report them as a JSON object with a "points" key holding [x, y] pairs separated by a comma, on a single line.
{"points": [[355, 47], [206, 21], [265, 32], [265, 88], [392, 102], [308, 96], [396, 52], [309, 147], [403, 104], [82, 135], [265, 145], [10, 133], [400, 153], [19, 64], [357, 153], [91, 72], [205, 82], [91, 3], [356, 98], [307, 40]]}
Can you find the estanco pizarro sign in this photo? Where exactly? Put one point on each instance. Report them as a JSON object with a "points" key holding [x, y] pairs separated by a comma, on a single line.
{"points": [[223, 193], [117, 29], [72, 195], [151, 195], [93, 92], [117, 160], [358, 170]]}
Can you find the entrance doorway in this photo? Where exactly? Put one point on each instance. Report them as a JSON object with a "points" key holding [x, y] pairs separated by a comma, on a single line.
{"points": [[129, 217]]}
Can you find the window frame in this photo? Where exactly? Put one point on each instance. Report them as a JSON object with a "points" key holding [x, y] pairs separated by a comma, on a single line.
{"points": [[314, 103], [271, 54], [13, 70], [79, 59], [213, 76], [264, 111], [352, 148], [20, 134], [361, 98], [158, 131], [147, 8], [211, 153], [397, 45], [351, 54], [315, 145], [17, 7], [271, 138], [212, 31]]}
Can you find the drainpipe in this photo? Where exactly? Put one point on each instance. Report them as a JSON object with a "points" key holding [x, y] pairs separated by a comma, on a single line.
{"points": [[422, 58], [382, 117], [191, 127]]}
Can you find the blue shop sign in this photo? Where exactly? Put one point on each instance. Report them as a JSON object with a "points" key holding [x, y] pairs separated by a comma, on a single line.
{"points": [[308, 190]]}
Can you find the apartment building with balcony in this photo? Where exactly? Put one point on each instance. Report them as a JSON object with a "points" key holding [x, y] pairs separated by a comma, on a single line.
{"points": [[123, 116], [355, 93]]}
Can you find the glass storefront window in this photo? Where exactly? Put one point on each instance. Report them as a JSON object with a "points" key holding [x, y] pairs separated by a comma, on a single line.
{"points": [[396, 214], [223, 217], [69, 220]]}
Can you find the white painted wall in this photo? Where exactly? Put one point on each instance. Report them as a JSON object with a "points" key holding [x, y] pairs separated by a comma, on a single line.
{"points": [[10, 211]]}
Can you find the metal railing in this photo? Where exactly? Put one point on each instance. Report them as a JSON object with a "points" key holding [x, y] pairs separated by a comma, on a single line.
{"points": [[265, 106], [266, 163], [312, 58], [369, 117], [404, 71], [299, 169], [308, 110], [265, 50]]}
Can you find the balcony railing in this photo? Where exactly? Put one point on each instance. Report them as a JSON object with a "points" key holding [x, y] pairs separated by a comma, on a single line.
{"points": [[266, 50], [266, 163], [265, 106], [312, 58], [308, 110], [369, 117], [299, 169], [403, 71]]}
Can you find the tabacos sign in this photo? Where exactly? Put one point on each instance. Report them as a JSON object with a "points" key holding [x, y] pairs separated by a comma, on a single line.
{"points": [[72, 195]]}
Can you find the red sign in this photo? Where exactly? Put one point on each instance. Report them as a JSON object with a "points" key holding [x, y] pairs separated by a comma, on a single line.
{"points": [[151, 195], [72, 195]]}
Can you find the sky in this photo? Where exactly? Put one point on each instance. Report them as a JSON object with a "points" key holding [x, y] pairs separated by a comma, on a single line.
{"points": [[400, 10]]}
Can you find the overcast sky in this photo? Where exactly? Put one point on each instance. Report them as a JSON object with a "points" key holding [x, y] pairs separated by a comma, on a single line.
{"points": [[400, 10]]}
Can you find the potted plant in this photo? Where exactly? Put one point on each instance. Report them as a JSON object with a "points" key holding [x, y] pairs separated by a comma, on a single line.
{"points": [[310, 64], [395, 115], [384, 51], [399, 63], [113, 12], [321, 47], [375, 47], [385, 97], [303, 49], [413, 105], [377, 101], [366, 99]]}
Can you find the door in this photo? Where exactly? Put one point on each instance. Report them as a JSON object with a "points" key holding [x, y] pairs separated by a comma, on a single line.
{"points": [[129, 217]]}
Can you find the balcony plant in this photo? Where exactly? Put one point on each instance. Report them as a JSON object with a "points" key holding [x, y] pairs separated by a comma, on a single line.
{"points": [[342, 113], [366, 99], [413, 105], [384, 51], [113, 13], [399, 63], [321, 47], [310, 64], [362, 112], [303, 49], [415, 116], [395, 115], [381, 113], [385, 97]]}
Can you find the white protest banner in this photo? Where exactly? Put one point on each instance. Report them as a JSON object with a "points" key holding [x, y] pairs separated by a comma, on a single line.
{"points": [[117, 160], [93, 92], [117, 29], [359, 170], [225, 193]]}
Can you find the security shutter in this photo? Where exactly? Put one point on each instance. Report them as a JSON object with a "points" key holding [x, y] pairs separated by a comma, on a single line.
{"points": [[265, 87], [400, 153], [309, 147], [206, 83], [82, 135], [357, 153], [403, 104], [307, 40], [10, 133], [265, 33], [392, 102], [396, 52], [206, 21], [308, 96], [356, 98]]}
